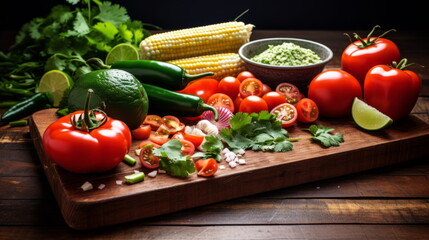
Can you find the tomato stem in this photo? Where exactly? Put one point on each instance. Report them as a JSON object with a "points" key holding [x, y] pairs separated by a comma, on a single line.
{"points": [[366, 42], [401, 65], [88, 121]]}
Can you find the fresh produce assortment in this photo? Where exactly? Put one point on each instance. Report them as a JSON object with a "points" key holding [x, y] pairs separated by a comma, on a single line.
{"points": [[189, 101]]}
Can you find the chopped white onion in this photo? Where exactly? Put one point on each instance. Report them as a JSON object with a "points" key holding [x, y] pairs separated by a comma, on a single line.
{"points": [[86, 186]]}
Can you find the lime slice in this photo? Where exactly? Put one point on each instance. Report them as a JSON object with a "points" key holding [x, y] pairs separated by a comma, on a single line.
{"points": [[122, 52], [57, 83], [368, 117]]}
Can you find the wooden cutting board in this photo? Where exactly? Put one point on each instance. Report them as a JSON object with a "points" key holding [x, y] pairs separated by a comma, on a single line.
{"points": [[307, 162]]}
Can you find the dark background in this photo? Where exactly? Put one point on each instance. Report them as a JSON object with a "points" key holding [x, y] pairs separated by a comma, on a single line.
{"points": [[268, 14]]}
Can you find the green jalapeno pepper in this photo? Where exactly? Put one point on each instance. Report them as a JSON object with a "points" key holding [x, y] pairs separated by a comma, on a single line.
{"points": [[166, 102], [158, 73], [27, 107]]}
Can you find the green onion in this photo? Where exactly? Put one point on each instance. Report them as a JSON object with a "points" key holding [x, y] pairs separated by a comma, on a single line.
{"points": [[129, 160], [135, 177], [19, 123]]}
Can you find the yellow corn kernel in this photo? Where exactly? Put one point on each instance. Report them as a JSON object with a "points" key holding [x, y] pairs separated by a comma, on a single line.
{"points": [[222, 64], [191, 42]]}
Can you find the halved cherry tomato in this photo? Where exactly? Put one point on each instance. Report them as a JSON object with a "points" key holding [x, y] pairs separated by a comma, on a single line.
{"points": [[244, 75], [307, 110], [178, 135], [202, 88], [229, 86], [188, 147], [173, 124], [221, 100], [252, 104], [195, 139], [273, 99], [290, 91], [142, 132], [154, 121], [251, 86], [285, 113], [206, 167], [161, 135], [147, 158]]}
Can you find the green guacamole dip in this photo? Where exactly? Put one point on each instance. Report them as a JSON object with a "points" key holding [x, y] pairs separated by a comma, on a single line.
{"points": [[287, 54]]}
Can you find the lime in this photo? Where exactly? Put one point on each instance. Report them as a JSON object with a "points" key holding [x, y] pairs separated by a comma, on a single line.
{"points": [[57, 83], [122, 52], [116, 92], [369, 118]]}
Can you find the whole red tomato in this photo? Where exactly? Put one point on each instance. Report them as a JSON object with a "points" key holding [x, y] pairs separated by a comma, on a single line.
{"points": [[229, 86], [80, 151], [392, 90], [364, 53], [253, 104], [333, 91]]}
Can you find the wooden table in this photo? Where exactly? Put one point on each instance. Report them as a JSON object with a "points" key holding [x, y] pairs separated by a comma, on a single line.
{"points": [[387, 203]]}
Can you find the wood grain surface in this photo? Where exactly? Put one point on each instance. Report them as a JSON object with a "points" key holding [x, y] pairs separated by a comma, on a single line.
{"points": [[391, 202]]}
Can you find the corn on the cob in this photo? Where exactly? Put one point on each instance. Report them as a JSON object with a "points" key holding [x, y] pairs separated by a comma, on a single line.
{"points": [[190, 42], [222, 64]]}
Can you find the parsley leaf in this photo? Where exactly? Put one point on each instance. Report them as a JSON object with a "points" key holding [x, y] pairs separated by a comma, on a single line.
{"points": [[256, 131], [323, 136], [212, 147], [112, 13], [172, 160]]}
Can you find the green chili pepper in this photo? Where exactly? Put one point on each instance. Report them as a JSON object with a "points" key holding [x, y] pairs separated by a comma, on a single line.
{"points": [[158, 73], [27, 107], [165, 102]]}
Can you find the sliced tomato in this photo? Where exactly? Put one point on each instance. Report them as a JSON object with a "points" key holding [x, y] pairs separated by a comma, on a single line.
{"points": [[307, 110], [173, 124], [285, 113], [290, 91], [154, 121], [244, 75], [251, 86], [147, 158], [142, 132], [206, 167], [221, 100], [178, 135], [161, 135], [273, 99], [188, 147], [148, 142], [195, 139], [253, 104]]}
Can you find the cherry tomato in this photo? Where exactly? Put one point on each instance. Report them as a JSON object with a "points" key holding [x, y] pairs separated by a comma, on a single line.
{"points": [[173, 124], [265, 89], [252, 104], [392, 91], [251, 86], [203, 88], [244, 75], [147, 158], [362, 55], [206, 167], [285, 113], [333, 91], [237, 103], [307, 110], [188, 147], [142, 132], [154, 121], [273, 99], [229, 86], [290, 92], [161, 135], [178, 135], [221, 100], [195, 139]]}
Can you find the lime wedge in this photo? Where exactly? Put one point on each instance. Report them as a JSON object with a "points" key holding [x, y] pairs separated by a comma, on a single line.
{"points": [[369, 118], [122, 52], [57, 83]]}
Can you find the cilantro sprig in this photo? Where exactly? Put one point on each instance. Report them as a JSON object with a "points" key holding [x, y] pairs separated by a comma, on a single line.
{"points": [[256, 131], [324, 137], [172, 160]]}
